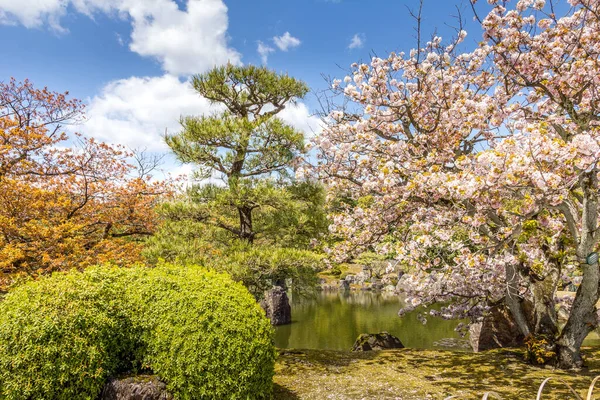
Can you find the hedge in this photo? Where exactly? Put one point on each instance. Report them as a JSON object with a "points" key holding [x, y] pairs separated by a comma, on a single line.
{"points": [[63, 336]]}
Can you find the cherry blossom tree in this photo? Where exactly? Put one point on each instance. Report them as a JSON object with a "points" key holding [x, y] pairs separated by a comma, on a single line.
{"points": [[478, 170]]}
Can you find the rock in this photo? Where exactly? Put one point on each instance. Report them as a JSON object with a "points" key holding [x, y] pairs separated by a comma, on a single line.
{"points": [[351, 278], [403, 285], [497, 329], [344, 284], [389, 279], [376, 341], [362, 277], [277, 306], [562, 314], [142, 387], [376, 284]]}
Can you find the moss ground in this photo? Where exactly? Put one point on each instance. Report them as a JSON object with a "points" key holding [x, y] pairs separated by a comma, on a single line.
{"points": [[423, 374]]}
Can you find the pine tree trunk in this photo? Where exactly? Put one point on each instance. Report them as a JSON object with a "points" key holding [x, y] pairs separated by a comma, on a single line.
{"points": [[246, 232]]}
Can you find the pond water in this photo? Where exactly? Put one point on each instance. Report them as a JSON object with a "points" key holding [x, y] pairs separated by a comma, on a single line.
{"points": [[333, 320]]}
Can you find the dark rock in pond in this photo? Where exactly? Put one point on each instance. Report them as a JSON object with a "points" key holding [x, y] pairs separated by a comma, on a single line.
{"points": [[344, 284], [142, 387], [498, 329], [277, 306], [377, 341], [366, 286], [376, 284]]}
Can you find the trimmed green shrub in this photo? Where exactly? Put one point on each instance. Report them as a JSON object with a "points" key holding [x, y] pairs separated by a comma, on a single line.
{"points": [[206, 336], [63, 336]]}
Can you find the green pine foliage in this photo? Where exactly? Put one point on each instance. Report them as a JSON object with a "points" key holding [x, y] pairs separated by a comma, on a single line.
{"points": [[284, 226], [202, 333], [244, 144]]}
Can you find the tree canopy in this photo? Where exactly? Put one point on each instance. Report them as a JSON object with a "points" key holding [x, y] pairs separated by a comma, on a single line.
{"points": [[65, 201], [241, 144], [478, 170]]}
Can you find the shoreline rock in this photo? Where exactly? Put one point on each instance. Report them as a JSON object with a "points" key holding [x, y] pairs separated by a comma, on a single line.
{"points": [[377, 341], [277, 306]]}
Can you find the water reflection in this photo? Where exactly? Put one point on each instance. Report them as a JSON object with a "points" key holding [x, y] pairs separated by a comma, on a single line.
{"points": [[333, 320]]}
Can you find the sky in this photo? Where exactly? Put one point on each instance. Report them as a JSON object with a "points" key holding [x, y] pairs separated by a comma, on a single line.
{"points": [[130, 60]]}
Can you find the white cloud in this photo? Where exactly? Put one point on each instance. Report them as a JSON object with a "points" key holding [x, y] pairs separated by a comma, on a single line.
{"points": [[357, 41], [285, 42], [264, 51], [183, 41], [300, 118], [136, 111]]}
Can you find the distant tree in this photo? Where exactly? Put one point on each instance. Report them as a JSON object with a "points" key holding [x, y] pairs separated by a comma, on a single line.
{"points": [[244, 142], [65, 201]]}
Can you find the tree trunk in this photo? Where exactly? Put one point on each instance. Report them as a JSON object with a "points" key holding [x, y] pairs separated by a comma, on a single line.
{"points": [[545, 320], [246, 232], [513, 301], [582, 319]]}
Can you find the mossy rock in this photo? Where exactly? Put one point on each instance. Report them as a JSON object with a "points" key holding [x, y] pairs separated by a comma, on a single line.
{"points": [[377, 341]]}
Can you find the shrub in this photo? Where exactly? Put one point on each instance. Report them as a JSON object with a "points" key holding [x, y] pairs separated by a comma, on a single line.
{"points": [[203, 334], [61, 337]]}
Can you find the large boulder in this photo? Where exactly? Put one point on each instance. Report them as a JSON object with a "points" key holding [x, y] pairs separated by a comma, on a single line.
{"points": [[142, 387], [277, 306], [497, 329], [344, 285], [362, 277], [376, 341]]}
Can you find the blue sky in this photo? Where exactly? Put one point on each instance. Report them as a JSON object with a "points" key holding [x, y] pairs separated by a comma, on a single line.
{"points": [[129, 59]]}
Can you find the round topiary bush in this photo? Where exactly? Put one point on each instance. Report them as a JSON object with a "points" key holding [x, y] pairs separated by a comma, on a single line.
{"points": [[63, 336], [206, 336]]}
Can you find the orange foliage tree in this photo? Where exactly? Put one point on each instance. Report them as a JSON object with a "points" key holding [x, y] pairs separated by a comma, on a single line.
{"points": [[65, 201]]}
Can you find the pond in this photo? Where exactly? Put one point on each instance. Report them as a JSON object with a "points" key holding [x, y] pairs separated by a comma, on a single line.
{"points": [[333, 320]]}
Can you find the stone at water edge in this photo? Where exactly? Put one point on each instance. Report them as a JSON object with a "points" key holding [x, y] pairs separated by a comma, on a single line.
{"points": [[498, 329], [344, 285], [389, 288], [277, 306], [377, 341], [142, 387]]}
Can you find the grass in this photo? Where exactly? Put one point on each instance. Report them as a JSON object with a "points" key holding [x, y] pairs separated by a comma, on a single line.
{"points": [[424, 374]]}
